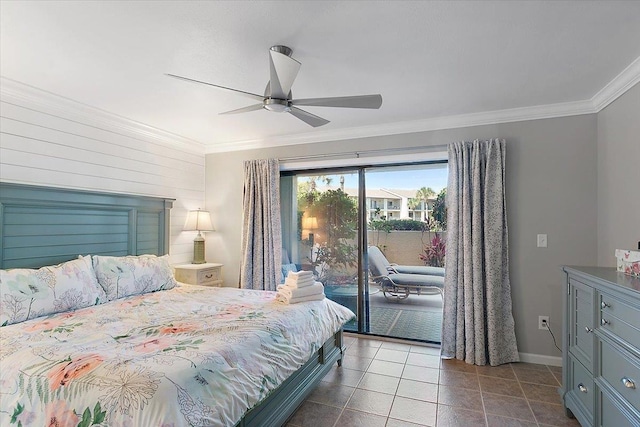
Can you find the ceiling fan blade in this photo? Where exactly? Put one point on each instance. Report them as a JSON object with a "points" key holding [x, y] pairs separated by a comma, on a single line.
{"points": [[284, 70], [308, 118], [252, 95], [361, 101], [245, 109]]}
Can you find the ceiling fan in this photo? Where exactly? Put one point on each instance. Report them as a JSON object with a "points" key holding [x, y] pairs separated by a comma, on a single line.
{"points": [[277, 95]]}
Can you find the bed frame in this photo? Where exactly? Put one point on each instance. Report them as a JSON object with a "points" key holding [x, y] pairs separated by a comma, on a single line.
{"points": [[43, 226]]}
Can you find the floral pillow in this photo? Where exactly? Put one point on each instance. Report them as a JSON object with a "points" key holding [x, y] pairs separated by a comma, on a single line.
{"points": [[27, 294], [133, 275]]}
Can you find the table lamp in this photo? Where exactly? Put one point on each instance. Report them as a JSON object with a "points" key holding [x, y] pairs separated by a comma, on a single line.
{"points": [[201, 221]]}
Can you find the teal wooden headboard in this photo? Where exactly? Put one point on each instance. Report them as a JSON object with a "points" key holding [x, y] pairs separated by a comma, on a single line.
{"points": [[44, 226]]}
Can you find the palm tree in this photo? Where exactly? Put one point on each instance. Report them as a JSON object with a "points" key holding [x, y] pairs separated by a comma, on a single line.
{"points": [[424, 194], [413, 204]]}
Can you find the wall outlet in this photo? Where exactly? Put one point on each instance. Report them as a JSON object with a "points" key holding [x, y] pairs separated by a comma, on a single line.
{"points": [[543, 322]]}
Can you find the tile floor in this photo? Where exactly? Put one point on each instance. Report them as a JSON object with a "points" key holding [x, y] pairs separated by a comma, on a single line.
{"points": [[394, 384]]}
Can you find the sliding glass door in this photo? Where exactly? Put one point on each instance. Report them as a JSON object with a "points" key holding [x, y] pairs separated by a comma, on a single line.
{"points": [[331, 217]]}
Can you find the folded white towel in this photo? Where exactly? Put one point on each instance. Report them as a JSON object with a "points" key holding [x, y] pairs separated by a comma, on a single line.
{"points": [[300, 283], [297, 275], [316, 288], [318, 297], [286, 300]]}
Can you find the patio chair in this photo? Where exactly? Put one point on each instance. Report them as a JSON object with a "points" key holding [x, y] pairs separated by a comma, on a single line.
{"points": [[398, 286], [376, 253]]}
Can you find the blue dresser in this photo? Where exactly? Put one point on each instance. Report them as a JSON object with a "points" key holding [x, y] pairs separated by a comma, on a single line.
{"points": [[601, 352]]}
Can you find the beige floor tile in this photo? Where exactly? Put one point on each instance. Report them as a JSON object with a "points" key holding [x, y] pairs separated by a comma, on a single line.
{"points": [[507, 406], [419, 373], [530, 366], [426, 360], [449, 416], [379, 383], [543, 393], [343, 376], [550, 414], [498, 421], [427, 392], [386, 368], [435, 351], [392, 422], [357, 363], [503, 371], [351, 418], [396, 346], [312, 414], [457, 365], [459, 379], [371, 402], [460, 397], [536, 376], [500, 386], [331, 394], [414, 411], [362, 351], [392, 355]]}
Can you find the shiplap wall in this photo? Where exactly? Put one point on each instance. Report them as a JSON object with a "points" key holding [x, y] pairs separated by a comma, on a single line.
{"points": [[53, 141]]}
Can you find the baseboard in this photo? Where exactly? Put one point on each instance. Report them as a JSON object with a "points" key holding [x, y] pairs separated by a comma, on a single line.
{"points": [[540, 359]]}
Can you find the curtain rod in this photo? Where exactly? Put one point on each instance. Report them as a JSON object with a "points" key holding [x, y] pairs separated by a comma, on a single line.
{"points": [[367, 153]]}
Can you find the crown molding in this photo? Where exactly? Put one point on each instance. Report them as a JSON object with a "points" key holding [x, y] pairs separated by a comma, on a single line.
{"points": [[414, 126], [624, 81], [24, 95]]}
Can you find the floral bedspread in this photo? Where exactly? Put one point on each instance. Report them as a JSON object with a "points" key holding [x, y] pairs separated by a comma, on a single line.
{"points": [[187, 356]]}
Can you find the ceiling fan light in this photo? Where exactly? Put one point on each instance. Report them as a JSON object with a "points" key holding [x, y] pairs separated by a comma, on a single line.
{"points": [[277, 105]]}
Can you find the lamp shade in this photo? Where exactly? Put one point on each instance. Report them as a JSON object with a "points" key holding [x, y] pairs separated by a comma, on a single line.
{"points": [[198, 220], [310, 223]]}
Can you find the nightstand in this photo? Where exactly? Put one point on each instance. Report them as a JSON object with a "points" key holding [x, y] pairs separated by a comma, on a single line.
{"points": [[208, 274]]}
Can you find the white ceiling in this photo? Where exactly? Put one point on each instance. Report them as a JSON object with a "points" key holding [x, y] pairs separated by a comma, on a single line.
{"points": [[429, 60]]}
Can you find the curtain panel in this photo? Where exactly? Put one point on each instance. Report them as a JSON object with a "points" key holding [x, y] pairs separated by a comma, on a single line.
{"points": [[478, 325], [261, 226]]}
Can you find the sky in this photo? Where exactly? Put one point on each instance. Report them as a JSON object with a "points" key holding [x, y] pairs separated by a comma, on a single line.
{"points": [[434, 177]]}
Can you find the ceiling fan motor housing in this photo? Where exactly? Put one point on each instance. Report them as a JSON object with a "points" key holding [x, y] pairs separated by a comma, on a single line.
{"points": [[277, 105]]}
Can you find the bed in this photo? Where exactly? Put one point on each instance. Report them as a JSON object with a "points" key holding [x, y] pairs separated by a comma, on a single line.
{"points": [[157, 352]]}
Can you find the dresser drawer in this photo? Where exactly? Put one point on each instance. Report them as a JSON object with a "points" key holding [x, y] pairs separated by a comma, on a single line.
{"points": [[623, 375], [611, 414], [209, 276], [582, 385], [619, 320]]}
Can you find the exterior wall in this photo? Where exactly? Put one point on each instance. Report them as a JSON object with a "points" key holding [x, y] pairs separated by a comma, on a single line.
{"points": [[550, 185], [51, 141], [402, 247], [618, 201]]}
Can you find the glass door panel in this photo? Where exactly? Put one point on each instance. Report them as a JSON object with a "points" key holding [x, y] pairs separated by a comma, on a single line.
{"points": [[405, 222], [327, 224]]}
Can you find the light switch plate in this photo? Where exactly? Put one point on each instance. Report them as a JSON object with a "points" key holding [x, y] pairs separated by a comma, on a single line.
{"points": [[542, 240]]}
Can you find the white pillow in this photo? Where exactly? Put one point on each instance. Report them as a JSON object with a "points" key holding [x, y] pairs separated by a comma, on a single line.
{"points": [[133, 275], [27, 293]]}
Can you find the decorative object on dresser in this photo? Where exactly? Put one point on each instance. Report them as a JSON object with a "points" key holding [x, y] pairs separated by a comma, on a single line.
{"points": [[198, 221], [208, 274], [628, 262], [601, 352]]}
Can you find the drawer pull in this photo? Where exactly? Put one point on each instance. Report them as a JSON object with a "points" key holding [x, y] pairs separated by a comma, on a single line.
{"points": [[208, 276], [582, 388], [604, 322], [604, 305], [588, 329], [628, 383]]}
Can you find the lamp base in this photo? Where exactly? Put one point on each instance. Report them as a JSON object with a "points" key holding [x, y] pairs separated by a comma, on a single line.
{"points": [[198, 251]]}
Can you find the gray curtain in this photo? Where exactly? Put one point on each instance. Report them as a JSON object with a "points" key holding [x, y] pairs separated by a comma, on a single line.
{"points": [[261, 227], [478, 324]]}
